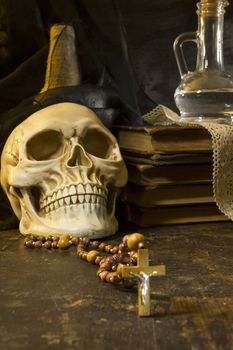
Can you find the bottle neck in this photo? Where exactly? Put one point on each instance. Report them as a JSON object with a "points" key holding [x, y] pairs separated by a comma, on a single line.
{"points": [[210, 42]]}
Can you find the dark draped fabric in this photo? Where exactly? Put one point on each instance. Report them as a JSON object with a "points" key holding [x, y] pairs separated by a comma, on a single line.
{"points": [[125, 52]]}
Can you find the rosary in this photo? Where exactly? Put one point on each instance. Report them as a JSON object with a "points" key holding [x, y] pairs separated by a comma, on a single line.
{"points": [[117, 263]]}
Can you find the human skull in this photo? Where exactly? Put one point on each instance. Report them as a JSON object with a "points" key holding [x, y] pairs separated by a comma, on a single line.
{"points": [[62, 170]]}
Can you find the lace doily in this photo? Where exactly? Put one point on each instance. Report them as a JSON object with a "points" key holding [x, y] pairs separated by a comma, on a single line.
{"points": [[222, 144]]}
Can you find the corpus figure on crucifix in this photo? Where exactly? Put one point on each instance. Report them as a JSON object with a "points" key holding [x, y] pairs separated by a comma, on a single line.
{"points": [[144, 279]]}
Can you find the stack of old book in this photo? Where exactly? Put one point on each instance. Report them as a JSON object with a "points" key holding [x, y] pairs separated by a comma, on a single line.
{"points": [[170, 175]]}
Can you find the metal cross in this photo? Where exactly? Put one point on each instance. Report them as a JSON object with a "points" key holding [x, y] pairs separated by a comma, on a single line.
{"points": [[143, 272]]}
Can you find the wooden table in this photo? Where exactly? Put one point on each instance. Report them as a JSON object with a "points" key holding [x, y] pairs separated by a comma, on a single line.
{"points": [[53, 300]]}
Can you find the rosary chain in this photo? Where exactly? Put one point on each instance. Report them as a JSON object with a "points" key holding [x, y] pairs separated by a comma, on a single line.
{"points": [[110, 258]]}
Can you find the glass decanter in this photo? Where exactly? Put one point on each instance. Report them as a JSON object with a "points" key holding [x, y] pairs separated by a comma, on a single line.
{"points": [[207, 93]]}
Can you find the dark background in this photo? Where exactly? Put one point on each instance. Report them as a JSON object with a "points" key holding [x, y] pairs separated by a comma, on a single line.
{"points": [[149, 27]]}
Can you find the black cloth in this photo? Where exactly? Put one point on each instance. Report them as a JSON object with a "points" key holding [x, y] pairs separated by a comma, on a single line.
{"points": [[129, 42]]}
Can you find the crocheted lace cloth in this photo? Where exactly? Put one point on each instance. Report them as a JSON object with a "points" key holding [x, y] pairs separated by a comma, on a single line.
{"points": [[222, 144]]}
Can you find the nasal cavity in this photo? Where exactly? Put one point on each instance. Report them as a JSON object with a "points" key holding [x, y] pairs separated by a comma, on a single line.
{"points": [[78, 157]]}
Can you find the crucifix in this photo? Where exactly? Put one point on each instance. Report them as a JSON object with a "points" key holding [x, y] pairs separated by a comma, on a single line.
{"points": [[143, 272]]}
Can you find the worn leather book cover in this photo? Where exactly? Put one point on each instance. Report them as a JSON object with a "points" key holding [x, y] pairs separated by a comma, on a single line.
{"points": [[166, 215], [162, 195], [172, 138], [167, 158], [149, 175]]}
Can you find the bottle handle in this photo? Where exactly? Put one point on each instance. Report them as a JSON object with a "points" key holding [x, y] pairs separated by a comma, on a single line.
{"points": [[178, 50]]}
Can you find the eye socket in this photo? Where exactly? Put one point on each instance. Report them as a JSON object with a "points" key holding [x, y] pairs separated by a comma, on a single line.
{"points": [[97, 143], [45, 145]]}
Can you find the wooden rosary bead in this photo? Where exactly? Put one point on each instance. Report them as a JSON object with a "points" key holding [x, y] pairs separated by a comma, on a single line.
{"points": [[48, 244], [134, 240], [92, 255], [81, 245], [115, 278], [86, 241], [125, 239], [119, 269], [38, 244], [114, 267], [29, 243], [64, 242], [100, 270], [133, 260], [122, 248], [75, 240], [114, 250], [79, 252], [98, 260], [102, 246], [110, 260], [108, 277], [108, 248], [54, 245], [94, 244], [125, 259], [105, 265], [84, 256], [116, 258], [103, 275], [131, 254]]}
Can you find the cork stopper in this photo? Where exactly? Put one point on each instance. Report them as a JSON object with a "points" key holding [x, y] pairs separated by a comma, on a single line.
{"points": [[212, 7]]}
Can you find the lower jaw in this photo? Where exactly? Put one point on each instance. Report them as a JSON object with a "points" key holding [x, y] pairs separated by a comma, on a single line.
{"points": [[78, 220]]}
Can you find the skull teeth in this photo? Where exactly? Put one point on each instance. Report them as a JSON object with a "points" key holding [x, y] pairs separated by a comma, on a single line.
{"points": [[73, 195], [74, 199], [67, 200], [72, 190], [80, 189], [81, 198]]}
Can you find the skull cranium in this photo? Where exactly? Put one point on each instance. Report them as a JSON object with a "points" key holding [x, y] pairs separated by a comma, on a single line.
{"points": [[62, 170]]}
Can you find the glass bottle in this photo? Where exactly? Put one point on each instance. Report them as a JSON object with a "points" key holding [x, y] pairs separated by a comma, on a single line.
{"points": [[207, 93]]}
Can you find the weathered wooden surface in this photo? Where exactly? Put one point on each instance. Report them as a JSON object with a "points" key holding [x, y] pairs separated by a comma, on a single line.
{"points": [[53, 300]]}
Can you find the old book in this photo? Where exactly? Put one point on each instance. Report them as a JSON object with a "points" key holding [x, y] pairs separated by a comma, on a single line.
{"points": [[171, 138], [149, 175], [170, 215], [150, 196], [168, 158]]}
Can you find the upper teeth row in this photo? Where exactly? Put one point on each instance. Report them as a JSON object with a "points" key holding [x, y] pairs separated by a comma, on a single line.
{"points": [[73, 190]]}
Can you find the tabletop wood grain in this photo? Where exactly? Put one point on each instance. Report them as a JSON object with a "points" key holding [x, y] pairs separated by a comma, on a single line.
{"points": [[53, 300]]}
